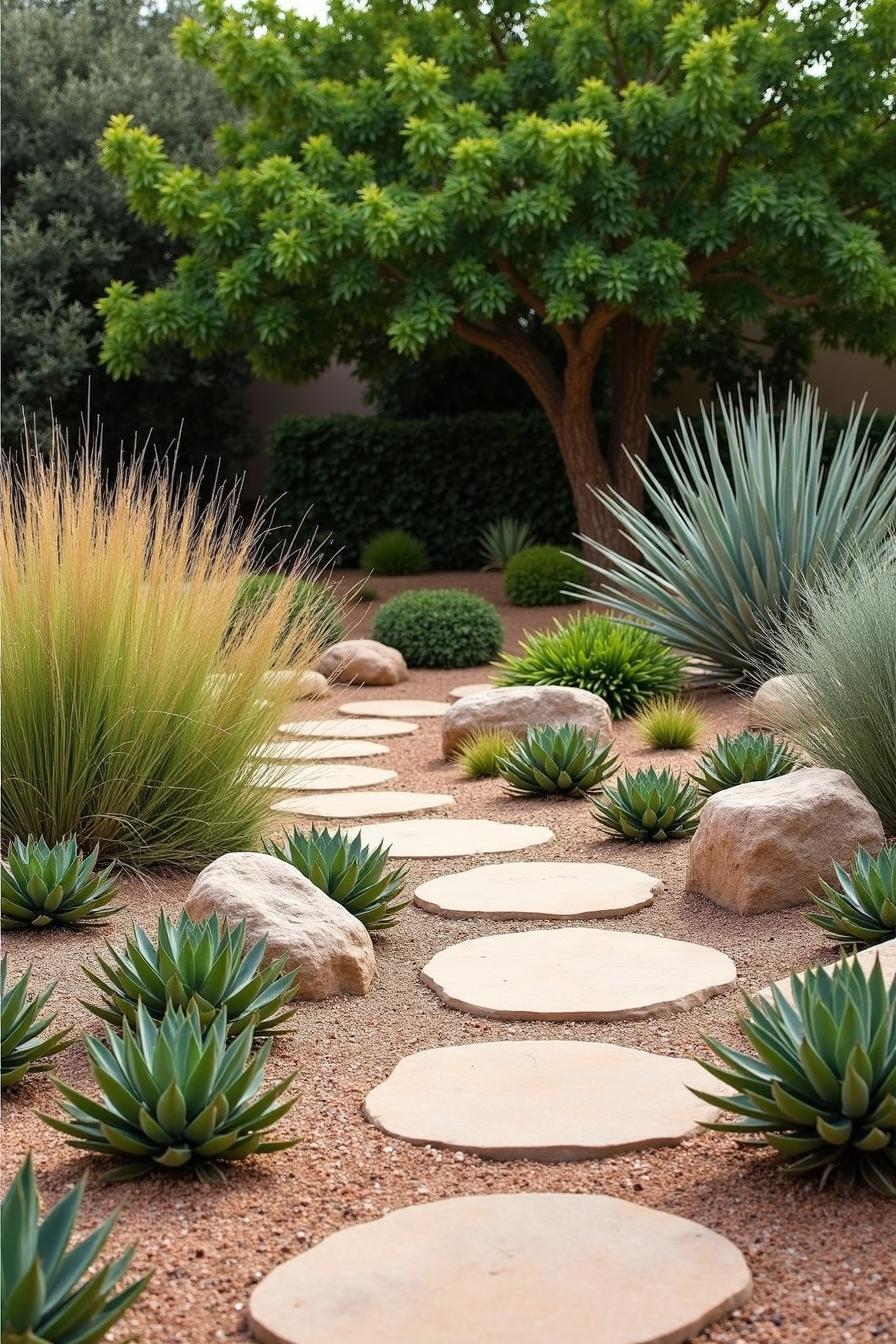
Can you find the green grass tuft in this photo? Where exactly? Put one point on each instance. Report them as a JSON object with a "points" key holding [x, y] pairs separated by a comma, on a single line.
{"points": [[478, 755], [671, 724]]}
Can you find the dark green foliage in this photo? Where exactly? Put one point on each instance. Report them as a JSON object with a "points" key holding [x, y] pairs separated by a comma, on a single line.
{"points": [[861, 909], [440, 627], [41, 885], [540, 576], [258, 592], [564, 760], [349, 871], [740, 759], [822, 1091], [501, 540], [23, 1046], [624, 664], [195, 963], [394, 552], [649, 804], [46, 1299]]}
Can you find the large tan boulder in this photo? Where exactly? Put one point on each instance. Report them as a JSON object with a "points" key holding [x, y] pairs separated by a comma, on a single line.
{"points": [[518, 708], [779, 703], [764, 846], [365, 662], [330, 947]]}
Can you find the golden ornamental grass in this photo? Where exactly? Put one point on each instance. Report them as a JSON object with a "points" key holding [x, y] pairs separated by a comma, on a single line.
{"points": [[131, 700]]}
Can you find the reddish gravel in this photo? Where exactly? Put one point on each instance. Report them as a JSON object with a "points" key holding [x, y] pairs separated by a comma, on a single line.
{"points": [[823, 1262]]}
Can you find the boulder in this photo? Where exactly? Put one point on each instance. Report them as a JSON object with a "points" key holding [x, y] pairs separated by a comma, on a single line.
{"points": [[764, 846], [366, 662], [330, 947], [311, 686], [518, 708], [778, 703]]}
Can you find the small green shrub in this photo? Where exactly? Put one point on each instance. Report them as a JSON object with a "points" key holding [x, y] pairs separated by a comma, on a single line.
{"points": [[501, 540], [348, 871], [670, 724], [540, 576], [46, 1299], [394, 552], [564, 760], [478, 755], [821, 1091], [440, 627], [863, 910], [367, 593], [23, 1045], [649, 805], [309, 597], [740, 759], [624, 664], [40, 885]]}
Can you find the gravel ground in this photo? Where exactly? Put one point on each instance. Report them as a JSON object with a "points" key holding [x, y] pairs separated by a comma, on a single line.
{"points": [[822, 1261]]}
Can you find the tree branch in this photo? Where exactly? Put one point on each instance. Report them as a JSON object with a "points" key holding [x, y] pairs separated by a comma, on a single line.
{"points": [[523, 356], [775, 295]]}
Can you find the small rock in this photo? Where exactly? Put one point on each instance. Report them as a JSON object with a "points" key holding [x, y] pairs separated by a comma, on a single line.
{"points": [[518, 708], [366, 662], [779, 703]]}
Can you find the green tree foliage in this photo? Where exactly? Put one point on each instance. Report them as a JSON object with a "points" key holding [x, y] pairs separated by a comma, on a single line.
{"points": [[606, 171], [68, 66]]}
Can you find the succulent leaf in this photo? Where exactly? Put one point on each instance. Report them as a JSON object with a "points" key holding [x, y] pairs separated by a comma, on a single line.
{"points": [[742, 759], [348, 871], [649, 804], [564, 760], [861, 909], [40, 885], [23, 1044]]}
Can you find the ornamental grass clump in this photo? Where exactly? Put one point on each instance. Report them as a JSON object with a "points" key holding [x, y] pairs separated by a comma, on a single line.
{"points": [[440, 627], [348, 871], [649, 804], [45, 1295], [42, 885], [501, 540], [822, 1090], [541, 576], [478, 754], [195, 963], [131, 704], [742, 758], [861, 909], [549, 761], [24, 1046], [670, 724], [624, 664]]}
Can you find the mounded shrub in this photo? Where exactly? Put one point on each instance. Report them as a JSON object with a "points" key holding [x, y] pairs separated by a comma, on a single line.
{"points": [[539, 576], [394, 552], [440, 627]]}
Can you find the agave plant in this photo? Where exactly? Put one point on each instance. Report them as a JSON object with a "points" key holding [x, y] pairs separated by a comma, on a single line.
{"points": [[501, 540], [174, 1094], [563, 760], [863, 908], [737, 531], [46, 1298], [649, 805], [40, 885], [200, 963], [348, 871], [741, 759], [23, 1045], [823, 1089]]}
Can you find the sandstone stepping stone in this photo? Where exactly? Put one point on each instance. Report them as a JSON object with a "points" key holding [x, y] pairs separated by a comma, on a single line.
{"points": [[318, 777], [557, 975], [547, 1101], [320, 749], [539, 891], [445, 838], [348, 728], [886, 952], [506, 1269], [474, 688], [396, 709], [341, 806]]}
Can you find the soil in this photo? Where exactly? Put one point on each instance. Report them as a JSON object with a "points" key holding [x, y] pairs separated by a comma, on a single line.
{"points": [[822, 1260]]}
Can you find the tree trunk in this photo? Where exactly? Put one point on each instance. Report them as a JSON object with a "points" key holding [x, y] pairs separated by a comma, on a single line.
{"points": [[635, 349]]}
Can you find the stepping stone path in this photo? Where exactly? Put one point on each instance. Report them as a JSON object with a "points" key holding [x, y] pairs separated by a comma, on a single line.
{"points": [[506, 1269], [557, 975], [347, 728], [317, 777], [545, 1101], [443, 837], [885, 952], [342, 806], [396, 709], [474, 688], [320, 749], [539, 891]]}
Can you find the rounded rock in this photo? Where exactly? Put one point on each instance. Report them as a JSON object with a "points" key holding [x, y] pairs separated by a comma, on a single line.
{"points": [[516, 709], [364, 662]]}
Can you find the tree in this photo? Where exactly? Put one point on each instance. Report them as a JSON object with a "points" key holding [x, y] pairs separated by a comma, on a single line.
{"points": [[68, 66], [614, 170]]}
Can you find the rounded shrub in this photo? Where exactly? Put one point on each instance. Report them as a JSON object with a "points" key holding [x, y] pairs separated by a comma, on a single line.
{"points": [[394, 552], [440, 627], [539, 577], [258, 591]]}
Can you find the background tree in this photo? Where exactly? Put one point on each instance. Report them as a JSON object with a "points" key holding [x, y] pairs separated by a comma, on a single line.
{"points": [[68, 66], [612, 171]]}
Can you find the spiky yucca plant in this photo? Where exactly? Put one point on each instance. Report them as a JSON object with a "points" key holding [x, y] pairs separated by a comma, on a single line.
{"points": [[741, 759], [23, 1045], [564, 760], [649, 804], [822, 1091], [863, 908], [348, 871], [501, 540], [478, 754], [41, 885], [44, 1298], [195, 962], [174, 1094]]}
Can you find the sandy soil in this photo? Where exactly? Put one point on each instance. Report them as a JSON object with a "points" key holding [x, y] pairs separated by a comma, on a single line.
{"points": [[822, 1262]]}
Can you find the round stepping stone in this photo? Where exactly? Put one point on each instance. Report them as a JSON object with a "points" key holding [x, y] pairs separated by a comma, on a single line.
{"points": [[474, 688], [318, 777], [496, 1269], [559, 975], [548, 1101], [347, 728], [396, 709], [320, 749], [539, 891], [342, 806], [445, 838]]}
